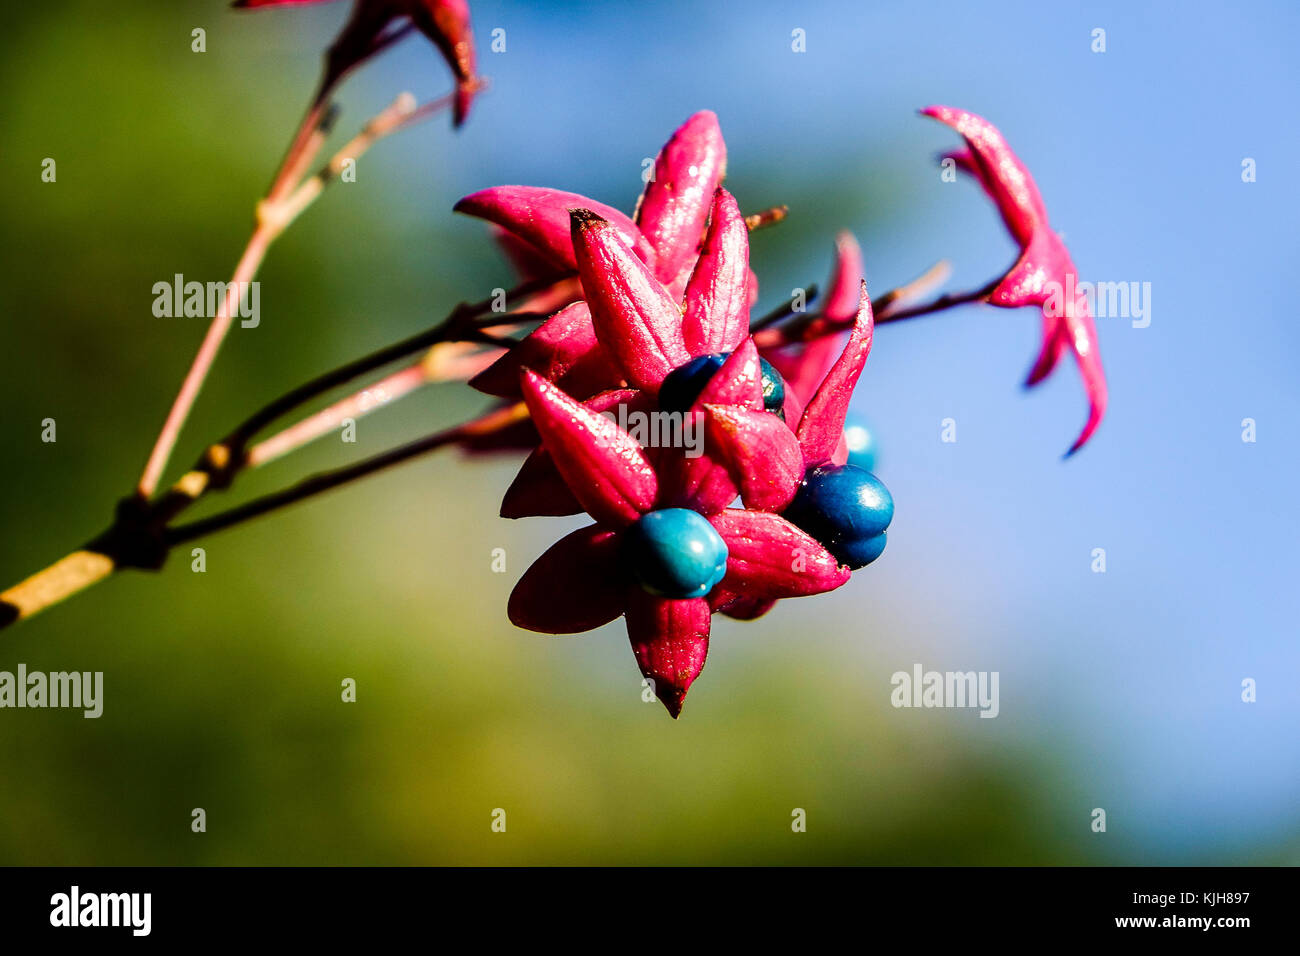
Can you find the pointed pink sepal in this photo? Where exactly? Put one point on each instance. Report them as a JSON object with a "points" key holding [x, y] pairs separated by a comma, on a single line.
{"points": [[675, 204], [573, 587], [603, 466], [538, 488], [717, 296], [1001, 173], [760, 453], [769, 558], [540, 217], [563, 349], [1080, 332], [845, 286], [635, 318], [821, 428], [670, 639], [446, 23]]}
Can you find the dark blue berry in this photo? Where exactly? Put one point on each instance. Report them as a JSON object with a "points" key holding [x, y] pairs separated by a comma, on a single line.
{"points": [[683, 385], [676, 553], [859, 552], [773, 389], [844, 507]]}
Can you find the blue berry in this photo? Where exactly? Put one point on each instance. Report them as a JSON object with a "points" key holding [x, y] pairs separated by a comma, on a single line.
{"points": [[861, 442], [676, 553], [859, 552], [682, 386], [845, 508], [773, 389]]}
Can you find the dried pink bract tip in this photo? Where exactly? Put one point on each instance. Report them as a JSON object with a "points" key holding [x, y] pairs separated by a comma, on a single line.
{"points": [[373, 22], [1044, 275]]}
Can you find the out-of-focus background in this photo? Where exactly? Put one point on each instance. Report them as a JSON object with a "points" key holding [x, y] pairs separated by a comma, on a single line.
{"points": [[1119, 691]]}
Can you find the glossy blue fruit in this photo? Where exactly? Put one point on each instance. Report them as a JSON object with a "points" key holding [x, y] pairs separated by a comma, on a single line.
{"points": [[859, 552], [862, 443], [682, 386], [843, 507], [676, 553], [773, 389]]}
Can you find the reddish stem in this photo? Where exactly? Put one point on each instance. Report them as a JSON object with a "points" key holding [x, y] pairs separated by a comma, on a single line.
{"points": [[207, 354]]}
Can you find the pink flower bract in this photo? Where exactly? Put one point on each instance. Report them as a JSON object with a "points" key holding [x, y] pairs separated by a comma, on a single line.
{"points": [[1044, 270]]}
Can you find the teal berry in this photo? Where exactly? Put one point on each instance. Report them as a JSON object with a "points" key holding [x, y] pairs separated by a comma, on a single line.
{"points": [[683, 385], [862, 443], [676, 553], [847, 509]]}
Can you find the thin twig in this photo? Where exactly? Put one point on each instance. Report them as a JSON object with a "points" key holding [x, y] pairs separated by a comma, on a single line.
{"points": [[458, 324], [317, 484], [141, 543], [273, 219], [766, 217], [784, 310], [946, 301], [381, 393], [302, 150]]}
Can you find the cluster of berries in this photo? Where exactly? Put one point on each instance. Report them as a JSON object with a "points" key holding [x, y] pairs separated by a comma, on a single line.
{"points": [[661, 325]]}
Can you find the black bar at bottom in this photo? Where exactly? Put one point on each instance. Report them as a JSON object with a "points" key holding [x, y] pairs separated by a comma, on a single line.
{"points": [[299, 905]]}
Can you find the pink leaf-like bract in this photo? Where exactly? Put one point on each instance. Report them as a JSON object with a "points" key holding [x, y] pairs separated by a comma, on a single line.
{"points": [[739, 381], [742, 608], [603, 465], [822, 426], [635, 318], [573, 587], [675, 204], [540, 217], [444, 22], [539, 488], [844, 289], [717, 297], [768, 557], [1044, 275], [670, 639], [761, 455], [1001, 173], [563, 349]]}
